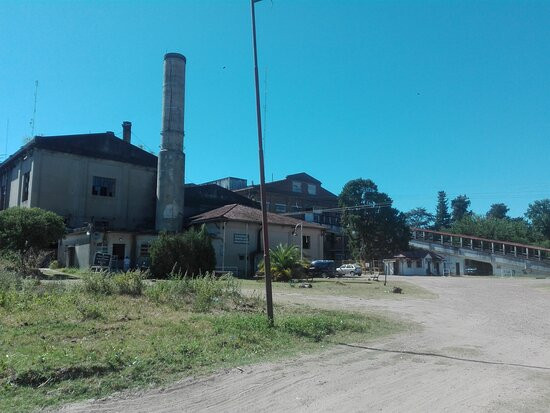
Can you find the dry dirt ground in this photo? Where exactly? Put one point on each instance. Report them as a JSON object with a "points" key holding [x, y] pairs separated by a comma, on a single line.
{"points": [[482, 346]]}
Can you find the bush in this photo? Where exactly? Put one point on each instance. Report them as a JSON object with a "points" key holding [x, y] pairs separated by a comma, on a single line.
{"points": [[190, 253], [201, 293], [54, 265], [28, 231], [129, 283], [98, 283], [285, 263]]}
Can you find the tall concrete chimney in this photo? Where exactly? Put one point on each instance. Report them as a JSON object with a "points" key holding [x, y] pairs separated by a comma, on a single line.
{"points": [[127, 131], [171, 160]]}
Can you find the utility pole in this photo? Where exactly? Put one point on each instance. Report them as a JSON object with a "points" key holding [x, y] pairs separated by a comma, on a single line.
{"points": [[33, 120], [267, 266]]}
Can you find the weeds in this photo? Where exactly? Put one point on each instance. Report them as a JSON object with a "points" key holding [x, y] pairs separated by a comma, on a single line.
{"points": [[201, 293], [64, 343]]}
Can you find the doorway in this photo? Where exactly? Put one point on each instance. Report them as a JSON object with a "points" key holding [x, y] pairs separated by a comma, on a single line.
{"points": [[71, 252], [457, 268], [118, 254], [396, 268]]}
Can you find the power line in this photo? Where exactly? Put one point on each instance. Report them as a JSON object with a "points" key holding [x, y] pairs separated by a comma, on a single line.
{"points": [[342, 209]]}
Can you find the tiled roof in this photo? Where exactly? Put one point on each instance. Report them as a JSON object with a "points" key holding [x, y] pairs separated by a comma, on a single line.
{"points": [[236, 212], [418, 254]]}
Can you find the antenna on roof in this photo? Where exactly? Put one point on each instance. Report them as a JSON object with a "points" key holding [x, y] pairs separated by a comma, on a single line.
{"points": [[5, 154], [33, 119]]}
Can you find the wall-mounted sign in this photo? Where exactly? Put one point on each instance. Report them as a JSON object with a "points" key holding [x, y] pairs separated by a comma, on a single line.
{"points": [[240, 238]]}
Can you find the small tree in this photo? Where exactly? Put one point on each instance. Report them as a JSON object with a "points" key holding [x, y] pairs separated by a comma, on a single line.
{"points": [[285, 262], [419, 218], [188, 253], [498, 211], [442, 217], [28, 230], [539, 215], [460, 206]]}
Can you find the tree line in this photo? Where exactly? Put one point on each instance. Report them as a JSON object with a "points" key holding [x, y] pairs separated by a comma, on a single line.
{"points": [[457, 217], [377, 230]]}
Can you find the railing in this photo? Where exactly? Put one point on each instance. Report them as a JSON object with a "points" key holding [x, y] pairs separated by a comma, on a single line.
{"points": [[484, 245]]}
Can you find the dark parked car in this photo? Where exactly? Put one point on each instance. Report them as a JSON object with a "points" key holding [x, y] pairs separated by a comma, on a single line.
{"points": [[322, 268]]}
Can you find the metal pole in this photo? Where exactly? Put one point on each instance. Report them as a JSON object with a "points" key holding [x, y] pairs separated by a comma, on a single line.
{"points": [[301, 242], [267, 266]]}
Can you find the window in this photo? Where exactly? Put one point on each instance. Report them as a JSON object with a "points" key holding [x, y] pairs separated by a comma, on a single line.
{"points": [[418, 263], [280, 208], [103, 186], [409, 264], [144, 250], [311, 189], [26, 180], [306, 242], [102, 247], [3, 192], [296, 186]]}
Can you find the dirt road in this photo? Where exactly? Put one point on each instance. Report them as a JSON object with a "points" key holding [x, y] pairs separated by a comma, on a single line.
{"points": [[484, 346]]}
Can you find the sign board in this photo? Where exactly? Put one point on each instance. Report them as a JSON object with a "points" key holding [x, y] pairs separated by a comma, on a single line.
{"points": [[101, 259], [240, 238]]}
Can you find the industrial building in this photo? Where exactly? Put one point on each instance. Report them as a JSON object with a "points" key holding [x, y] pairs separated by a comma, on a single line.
{"points": [[115, 197]]}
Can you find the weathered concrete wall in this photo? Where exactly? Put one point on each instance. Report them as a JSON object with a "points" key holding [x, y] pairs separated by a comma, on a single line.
{"points": [[62, 183], [171, 160], [232, 251]]}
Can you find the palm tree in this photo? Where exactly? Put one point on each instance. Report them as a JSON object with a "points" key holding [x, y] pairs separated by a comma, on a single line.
{"points": [[285, 261]]}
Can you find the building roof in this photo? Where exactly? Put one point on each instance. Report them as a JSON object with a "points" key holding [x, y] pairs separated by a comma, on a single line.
{"points": [[419, 254], [280, 186], [95, 145], [236, 212]]}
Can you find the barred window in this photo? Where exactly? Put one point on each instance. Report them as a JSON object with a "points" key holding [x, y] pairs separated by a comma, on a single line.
{"points": [[103, 186]]}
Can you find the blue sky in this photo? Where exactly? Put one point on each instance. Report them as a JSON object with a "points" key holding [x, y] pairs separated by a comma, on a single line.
{"points": [[418, 96]]}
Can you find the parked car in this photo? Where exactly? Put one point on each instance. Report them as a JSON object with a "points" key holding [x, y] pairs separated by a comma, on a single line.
{"points": [[347, 270], [322, 268], [470, 270]]}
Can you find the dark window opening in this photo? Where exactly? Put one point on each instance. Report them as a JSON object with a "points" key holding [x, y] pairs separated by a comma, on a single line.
{"points": [[103, 186], [144, 250], [306, 242], [26, 180]]}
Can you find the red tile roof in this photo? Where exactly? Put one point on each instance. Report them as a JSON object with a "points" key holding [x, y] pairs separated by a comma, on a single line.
{"points": [[236, 212]]}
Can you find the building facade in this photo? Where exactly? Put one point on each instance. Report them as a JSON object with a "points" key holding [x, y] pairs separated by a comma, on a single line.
{"points": [[236, 232], [87, 179], [302, 196]]}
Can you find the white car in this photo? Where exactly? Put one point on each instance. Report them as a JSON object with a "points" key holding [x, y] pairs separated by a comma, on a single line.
{"points": [[349, 270]]}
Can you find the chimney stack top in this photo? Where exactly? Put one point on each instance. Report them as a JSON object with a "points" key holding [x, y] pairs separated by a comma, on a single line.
{"points": [[175, 55], [127, 131]]}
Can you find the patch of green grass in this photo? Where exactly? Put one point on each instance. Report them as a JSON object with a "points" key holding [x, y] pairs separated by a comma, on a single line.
{"points": [[360, 288], [63, 343]]}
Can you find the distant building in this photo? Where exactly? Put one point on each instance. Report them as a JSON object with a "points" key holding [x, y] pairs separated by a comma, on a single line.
{"points": [[302, 196], [238, 242], [229, 183], [416, 262]]}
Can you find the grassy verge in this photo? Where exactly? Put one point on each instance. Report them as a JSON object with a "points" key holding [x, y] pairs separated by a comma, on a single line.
{"points": [[63, 342], [347, 287]]}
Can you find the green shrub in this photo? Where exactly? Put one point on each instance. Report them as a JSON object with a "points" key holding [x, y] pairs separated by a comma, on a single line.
{"points": [[98, 283], [129, 283], [89, 310], [285, 263], [28, 231], [190, 253], [54, 265], [200, 293]]}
